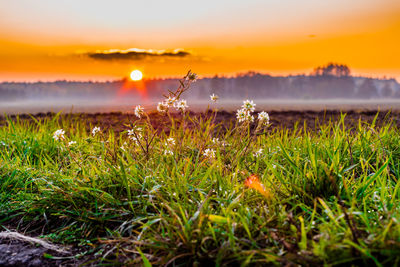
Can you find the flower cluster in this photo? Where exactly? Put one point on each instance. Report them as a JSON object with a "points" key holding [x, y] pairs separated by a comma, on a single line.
{"points": [[244, 116], [263, 118], [169, 144], [59, 135], [181, 105], [215, 141], [71, 143], [162, 107], [134, 134], [245, 113], [249, 105], [218, 143], [172, 101], [209, 153], [174, 97]]}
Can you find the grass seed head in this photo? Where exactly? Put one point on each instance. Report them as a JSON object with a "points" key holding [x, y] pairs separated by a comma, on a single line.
{"points": [[191, 77]]}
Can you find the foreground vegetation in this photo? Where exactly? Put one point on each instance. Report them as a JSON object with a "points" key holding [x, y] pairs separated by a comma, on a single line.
{"points": [[208, 194]]}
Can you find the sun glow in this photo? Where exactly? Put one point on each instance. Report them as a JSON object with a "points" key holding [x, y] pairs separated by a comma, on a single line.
{"points": [[136, 75]]}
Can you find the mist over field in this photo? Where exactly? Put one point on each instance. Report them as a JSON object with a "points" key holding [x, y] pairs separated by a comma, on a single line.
{"points": [[328, 87]]}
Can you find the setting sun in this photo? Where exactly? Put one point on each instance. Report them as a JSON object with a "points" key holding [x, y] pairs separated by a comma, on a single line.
{"points": [[136, 75]]}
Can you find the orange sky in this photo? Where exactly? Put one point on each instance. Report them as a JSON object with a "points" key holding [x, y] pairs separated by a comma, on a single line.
{"points": [[49, 40]]}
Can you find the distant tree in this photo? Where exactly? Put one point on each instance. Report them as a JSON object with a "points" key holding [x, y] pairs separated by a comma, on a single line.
{"points": [[396, 94], [10, 94], [367, 89], [217, 85], [387, 91], [330, 87], [332, 69], [250, 74]]}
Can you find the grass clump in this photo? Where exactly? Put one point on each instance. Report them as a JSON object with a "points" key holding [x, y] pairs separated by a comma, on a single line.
{"points": [[206, 194]]}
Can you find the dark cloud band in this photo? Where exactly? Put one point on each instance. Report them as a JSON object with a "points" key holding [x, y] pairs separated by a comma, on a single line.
{"points": [[136, 54]]}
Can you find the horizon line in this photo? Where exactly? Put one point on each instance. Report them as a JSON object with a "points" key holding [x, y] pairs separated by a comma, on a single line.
{"points": [[173, 77]]}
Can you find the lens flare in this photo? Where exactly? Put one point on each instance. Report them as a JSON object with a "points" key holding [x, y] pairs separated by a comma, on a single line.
{"points": [[254, 182]]}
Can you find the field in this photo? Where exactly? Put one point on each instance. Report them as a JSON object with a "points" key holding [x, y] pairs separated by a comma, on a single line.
{"points": [[125, 105], [309, 188]]}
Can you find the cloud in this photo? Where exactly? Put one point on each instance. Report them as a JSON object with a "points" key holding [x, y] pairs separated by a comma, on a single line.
{"points": [[137, 54]]}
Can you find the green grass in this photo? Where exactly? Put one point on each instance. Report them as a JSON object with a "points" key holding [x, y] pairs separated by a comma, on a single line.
{"points": [[335, 192]]}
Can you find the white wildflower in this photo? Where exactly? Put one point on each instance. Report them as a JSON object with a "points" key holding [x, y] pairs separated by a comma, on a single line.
{"points": [[135, 138], [170, 141], [244, 115], [241, 114], [168, 152], [181, 105], [376, 197], [249, 105], [215, 141], [95, 130], [139, 111], [218, 142], [209, 153], [162, 107], [170, 101], [258, 153], [263, 117], [131, 132], [135, 134], [214, 97], [123, 147], [71, 143], [59, 135]]}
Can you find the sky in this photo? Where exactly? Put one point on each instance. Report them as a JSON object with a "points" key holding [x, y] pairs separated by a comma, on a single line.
{"points": [[104, 40]]}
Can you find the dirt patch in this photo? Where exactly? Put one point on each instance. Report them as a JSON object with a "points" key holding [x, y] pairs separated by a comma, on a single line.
{"points": [[119, 122], [21, 253]]}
